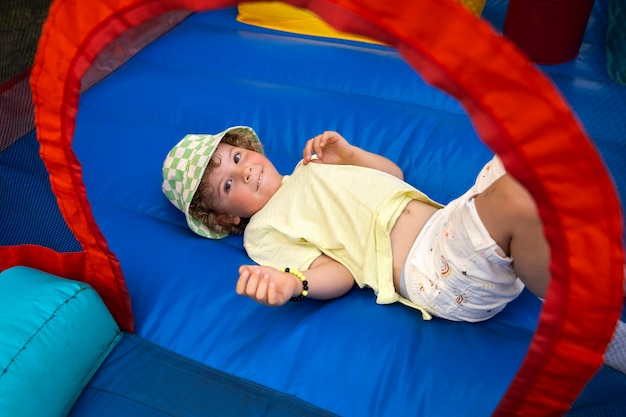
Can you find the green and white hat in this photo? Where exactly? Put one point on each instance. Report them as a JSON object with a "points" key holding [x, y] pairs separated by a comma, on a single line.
{"points": [[183, 169]]}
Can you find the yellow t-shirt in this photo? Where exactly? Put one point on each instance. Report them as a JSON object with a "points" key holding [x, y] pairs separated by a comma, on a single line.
{"points": [[345, 212]]}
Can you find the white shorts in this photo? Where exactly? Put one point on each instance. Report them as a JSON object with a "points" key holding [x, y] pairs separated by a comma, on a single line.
{"points": [[455, 270]]}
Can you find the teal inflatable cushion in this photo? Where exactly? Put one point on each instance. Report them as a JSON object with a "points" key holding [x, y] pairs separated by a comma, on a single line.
{"points": [[616, 41], [54, 333]]}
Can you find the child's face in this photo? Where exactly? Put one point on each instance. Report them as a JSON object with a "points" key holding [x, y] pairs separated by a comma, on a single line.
{"points": [[243, 182]]}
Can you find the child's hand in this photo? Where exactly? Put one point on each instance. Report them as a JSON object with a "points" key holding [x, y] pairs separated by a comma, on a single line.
{"points": [[266, 285], [330, 148]]}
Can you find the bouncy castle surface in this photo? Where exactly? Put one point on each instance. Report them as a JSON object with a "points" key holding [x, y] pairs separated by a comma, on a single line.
{"points": [[110, 306]]}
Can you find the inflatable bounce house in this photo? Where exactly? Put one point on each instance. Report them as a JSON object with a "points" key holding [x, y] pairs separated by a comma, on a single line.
{"points": [[111, 306]]}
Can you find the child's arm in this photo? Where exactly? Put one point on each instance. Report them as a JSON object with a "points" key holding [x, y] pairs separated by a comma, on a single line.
{"points": [[332, 148], [327, 279]]}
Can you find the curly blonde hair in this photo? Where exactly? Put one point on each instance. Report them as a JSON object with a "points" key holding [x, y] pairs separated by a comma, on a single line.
{"points": [[201, 207]]}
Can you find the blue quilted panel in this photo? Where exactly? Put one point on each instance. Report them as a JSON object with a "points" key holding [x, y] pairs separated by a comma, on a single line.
{"points": [[141, 379]]}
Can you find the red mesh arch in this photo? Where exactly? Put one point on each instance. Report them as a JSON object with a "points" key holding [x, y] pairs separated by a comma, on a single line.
{"points": [[489, 77]]}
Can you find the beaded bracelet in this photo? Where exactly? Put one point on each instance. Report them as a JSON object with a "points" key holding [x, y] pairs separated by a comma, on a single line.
{"points": [[305, 284]]}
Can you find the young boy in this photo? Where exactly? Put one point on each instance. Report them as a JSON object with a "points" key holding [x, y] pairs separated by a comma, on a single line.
{"points": [[345, 215]]}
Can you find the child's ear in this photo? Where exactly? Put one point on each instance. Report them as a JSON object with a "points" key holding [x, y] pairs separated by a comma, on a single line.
{"points": [[227, 219]]}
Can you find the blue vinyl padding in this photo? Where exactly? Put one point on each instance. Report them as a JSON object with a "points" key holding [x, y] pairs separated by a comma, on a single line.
{"points": [[142, 379], [349, 356]]}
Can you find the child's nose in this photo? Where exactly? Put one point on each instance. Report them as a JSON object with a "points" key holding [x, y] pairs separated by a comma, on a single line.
{"points": [[247, 174]]}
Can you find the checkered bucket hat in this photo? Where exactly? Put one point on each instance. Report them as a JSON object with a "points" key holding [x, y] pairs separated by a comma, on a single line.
{"points": [[183, 169]]}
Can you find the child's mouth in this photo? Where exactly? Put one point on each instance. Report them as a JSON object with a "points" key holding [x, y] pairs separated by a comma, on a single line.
{"points": [[258, 184]]}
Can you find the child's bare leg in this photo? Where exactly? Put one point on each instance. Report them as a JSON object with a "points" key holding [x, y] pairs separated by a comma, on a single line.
{"points": [[510, 215]]}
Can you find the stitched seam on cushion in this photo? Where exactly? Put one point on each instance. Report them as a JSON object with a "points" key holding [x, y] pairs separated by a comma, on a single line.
{"points": [[43, 325]]}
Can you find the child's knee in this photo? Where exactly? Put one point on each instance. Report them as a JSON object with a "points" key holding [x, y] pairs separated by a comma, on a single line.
{"points": [[507, 209], [518, 201]]}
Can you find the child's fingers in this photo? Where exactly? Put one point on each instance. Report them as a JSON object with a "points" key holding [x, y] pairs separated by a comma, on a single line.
{"points": [[317, 144], [242, 282], [307, 152], [313, 146], [253, 283], [261, 289], [272, 294], [320, 144]]}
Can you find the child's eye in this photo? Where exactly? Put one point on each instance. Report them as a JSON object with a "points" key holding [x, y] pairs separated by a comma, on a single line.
{"points": [[227, 186], [236, 158]]}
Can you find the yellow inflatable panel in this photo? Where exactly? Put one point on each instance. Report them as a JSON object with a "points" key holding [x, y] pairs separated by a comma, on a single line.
{"points": [[475, 6], [281, 16]]}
